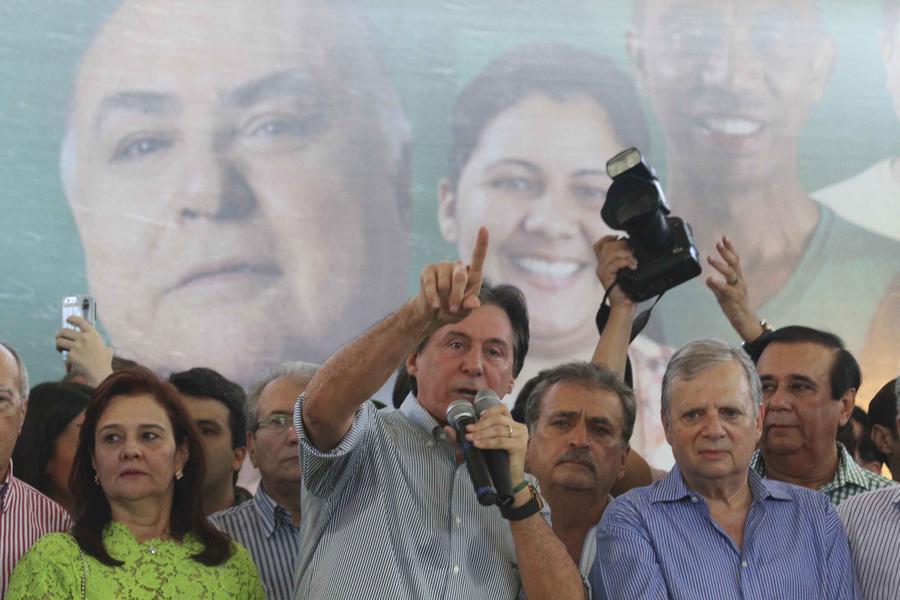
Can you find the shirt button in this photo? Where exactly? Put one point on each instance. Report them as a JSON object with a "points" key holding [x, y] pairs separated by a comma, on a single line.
{"points": [[456, 570], [458, 520], [693, 498], [744, 564], [429, 444]]}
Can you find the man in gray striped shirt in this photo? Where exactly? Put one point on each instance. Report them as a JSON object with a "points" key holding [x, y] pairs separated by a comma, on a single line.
{"points": [[269, 525], [872, 521], [389, 510]]}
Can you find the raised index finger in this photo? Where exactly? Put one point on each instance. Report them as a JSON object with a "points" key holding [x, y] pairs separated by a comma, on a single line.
{"points": [[476, 266]]}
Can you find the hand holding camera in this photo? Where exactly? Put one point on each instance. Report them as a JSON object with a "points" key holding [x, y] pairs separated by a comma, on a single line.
{"points": [[663, 246]]}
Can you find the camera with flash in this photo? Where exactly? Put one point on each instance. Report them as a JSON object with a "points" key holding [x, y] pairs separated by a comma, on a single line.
{"points": [[662, 245]]}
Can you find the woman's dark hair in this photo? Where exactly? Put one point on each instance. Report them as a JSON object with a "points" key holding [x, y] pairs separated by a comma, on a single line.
{"points": [[51, 407], [92, 509], [883, 407], [553, 70]]}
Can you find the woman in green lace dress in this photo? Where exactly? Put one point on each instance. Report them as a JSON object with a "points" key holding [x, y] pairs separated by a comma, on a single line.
{"points": [[139, 532]]}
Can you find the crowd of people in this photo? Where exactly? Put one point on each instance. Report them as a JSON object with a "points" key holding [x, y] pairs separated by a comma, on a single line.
{"points": [[202, 469], [128, 488]]}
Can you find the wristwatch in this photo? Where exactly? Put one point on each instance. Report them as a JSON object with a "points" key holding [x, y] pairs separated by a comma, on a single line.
{"points": [[755, 347], [535, 504]]}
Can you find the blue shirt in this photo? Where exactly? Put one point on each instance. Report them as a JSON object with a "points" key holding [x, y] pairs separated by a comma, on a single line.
{"points": [[660, 541], [389, 514], [265, 529]]}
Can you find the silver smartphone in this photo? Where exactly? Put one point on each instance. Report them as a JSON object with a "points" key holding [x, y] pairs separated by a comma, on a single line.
{"points": [[83, 306]]}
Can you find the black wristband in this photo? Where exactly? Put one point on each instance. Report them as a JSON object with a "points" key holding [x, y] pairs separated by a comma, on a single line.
{"points": [[535, 504]]}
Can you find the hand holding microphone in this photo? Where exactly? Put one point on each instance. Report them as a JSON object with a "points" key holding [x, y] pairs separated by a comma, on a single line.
{"points": [[460, 415], [493, 434], [497, 460]]}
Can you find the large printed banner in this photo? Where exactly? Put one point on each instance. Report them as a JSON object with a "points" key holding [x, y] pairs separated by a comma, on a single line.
{"points": [[244, 182]]}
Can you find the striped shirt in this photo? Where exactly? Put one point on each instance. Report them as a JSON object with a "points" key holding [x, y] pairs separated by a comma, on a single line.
{"points": [[660, 541], [389, 514], [25, 515], [266, 530], [589, 547], [872, 522], [849, 480]]}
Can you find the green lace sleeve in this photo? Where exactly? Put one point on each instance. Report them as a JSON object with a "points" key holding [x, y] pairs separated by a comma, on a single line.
{"points": [[50, 570], [243, 568]]}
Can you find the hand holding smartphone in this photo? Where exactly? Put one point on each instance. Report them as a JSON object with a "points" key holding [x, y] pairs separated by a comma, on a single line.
{"points": [[83, 306]]}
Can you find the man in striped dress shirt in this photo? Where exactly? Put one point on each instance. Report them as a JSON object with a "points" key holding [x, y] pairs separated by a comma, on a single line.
{"points": [[388, 510], [872, 522], [269, 524], [713, 528], [25, 513]]}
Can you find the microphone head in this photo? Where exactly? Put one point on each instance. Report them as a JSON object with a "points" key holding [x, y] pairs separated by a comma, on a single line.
{"points": [[459, 409], [485, 399]]}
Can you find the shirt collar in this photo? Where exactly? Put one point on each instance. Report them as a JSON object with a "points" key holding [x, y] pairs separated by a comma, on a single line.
{"points": [[270, 512], [848, 472], [673, 488], [5, 486], [421, 418], [765, 488]]}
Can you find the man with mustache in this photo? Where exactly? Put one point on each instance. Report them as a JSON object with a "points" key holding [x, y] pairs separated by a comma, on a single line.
{"points": [[713, 528], [580, 418]]}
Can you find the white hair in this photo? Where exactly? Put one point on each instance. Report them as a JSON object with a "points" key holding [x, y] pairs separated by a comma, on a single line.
{"points": [[297, 371]]}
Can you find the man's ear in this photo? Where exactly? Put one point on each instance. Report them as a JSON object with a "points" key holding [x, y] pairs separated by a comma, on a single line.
{"points": [[239, 453], [412, 363], [760, 419], [251, 448], [665, 424], [624, 461], [447, 212], [848, 401], [23, 412]]}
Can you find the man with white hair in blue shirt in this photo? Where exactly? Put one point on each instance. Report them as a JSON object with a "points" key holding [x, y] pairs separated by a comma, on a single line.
{"points": [[712, 528]]}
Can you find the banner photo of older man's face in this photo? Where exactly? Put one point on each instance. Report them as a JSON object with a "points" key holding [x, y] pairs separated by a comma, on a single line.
{"points": [[245, 183]]}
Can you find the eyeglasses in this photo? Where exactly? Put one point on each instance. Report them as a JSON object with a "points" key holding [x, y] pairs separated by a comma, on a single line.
{"points": [[278, 423]]}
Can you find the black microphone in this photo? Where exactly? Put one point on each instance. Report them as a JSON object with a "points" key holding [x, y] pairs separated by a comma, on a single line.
{"points": [[497, 460], [460, 414]]}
